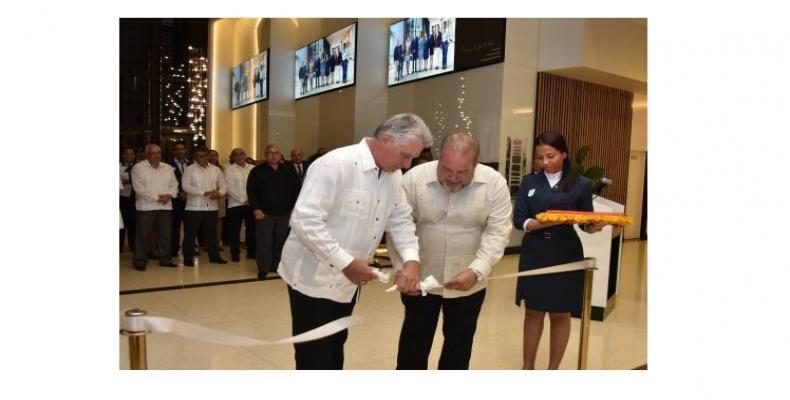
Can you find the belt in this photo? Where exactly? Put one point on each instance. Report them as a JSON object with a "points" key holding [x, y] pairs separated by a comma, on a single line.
{"points": [[553, 232]]}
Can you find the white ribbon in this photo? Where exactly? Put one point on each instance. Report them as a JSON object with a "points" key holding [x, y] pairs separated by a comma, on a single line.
{"points": [[430, 282], [587, 263], [382, 277], [210, 335]]}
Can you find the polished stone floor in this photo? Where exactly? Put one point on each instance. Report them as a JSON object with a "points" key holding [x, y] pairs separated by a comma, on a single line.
{"points": [[260, 309]]}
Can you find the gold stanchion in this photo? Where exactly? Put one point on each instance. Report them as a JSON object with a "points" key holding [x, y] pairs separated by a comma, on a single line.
{"points": [[137, 350], [584, 332]]}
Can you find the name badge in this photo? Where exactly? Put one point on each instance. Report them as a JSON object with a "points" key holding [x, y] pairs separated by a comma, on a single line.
{"points": [[531, 192]]}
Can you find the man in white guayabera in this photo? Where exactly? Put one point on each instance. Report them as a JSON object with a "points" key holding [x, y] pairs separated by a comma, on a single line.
{"points": [[349, 198]]}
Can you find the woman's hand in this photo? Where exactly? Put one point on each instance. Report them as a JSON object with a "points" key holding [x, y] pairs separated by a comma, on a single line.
{"points": [[593, 227]]}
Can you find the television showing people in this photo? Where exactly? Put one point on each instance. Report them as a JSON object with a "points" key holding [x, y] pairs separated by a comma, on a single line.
{"points": [[326, 64], [249, 81], [419, 48], [260, 74]]}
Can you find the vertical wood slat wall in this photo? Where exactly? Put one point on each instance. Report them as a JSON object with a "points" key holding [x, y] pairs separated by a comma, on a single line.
{"points": [[589, 114]]}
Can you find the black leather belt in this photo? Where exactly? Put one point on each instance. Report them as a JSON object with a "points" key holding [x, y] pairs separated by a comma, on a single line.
{"points": [[554, 231]]}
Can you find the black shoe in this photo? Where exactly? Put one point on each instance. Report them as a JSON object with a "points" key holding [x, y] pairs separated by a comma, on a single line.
{"points": [[139, 268], [234, 257], [189, 263], [170, 265], [217, 261], [250, 256], [261, 275]]}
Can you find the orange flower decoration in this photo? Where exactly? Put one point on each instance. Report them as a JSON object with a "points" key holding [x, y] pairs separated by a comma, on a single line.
{"points": [[585, 217]]}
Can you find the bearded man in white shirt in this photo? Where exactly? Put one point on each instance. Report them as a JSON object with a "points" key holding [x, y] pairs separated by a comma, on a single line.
{"points": [[154, 185], [349, 198], [204, 184], [462, 211]]}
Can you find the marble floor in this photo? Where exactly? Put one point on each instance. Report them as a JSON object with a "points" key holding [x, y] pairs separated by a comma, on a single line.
{"points": [[260, 309]]}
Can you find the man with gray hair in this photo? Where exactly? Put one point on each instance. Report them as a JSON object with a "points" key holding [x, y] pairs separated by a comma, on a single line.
{"points": [[349, 198], [155, 185], [462, 211]]}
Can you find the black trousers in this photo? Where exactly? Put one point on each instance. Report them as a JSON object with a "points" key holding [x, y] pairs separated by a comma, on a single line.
{"points": [[146, 220], [200, 221], [270, 235], [127, 213], [419, 324], [308, 313], [233, 219], [178, 217]]}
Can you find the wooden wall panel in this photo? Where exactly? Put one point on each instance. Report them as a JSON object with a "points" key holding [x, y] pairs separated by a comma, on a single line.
{"points": [[589, 114]]}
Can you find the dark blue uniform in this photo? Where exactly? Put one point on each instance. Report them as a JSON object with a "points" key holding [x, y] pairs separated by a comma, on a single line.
{"points": [[559, 244]]}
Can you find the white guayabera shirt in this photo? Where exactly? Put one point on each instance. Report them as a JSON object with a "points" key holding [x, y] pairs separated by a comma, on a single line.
{"points": [[150, 182], [342, 211], [468, 228], [198, 180], [236, 178]]}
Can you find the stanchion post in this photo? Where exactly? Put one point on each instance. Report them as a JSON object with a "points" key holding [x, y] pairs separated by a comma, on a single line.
{"points": [[137, 349], [584, 332]]}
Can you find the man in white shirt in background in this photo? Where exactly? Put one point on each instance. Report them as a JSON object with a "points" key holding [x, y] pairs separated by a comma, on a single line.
{"points": [[462, 210], [204, 184], [238, 207], [352, 195], [154, 185]]}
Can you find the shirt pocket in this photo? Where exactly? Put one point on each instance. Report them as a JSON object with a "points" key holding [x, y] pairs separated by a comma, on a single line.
{"points": [[355, 205]]}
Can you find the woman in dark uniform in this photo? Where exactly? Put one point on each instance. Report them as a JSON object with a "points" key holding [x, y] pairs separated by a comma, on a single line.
{"points": [[557, 187]]}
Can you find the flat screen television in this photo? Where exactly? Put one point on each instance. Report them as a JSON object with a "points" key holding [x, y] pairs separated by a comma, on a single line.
{"points": [[420, 48], [326, 64], [250, 81]]}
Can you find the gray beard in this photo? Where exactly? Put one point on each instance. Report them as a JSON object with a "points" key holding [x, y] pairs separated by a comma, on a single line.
{"points": [[451, 190]]}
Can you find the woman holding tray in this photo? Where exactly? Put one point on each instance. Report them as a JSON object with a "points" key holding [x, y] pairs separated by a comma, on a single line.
{"points": [[556, 187]]}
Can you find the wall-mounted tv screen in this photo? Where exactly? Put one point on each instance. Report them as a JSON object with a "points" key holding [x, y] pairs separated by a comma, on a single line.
{"points": [[424, 47], [326, 64], [249, 81], [419, 48]]}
